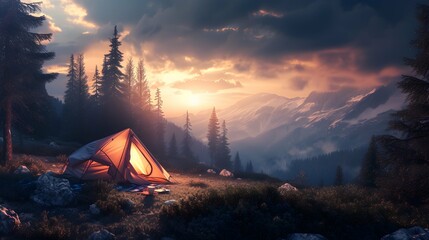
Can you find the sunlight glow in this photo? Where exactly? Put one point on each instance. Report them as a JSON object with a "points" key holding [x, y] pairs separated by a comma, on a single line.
{"points": [[194, 100]]}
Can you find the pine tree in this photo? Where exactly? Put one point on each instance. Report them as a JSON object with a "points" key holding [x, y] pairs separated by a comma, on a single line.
{"points": [[143, 91], [223, 158], [249, 167], [129, 79], [369, 169], [76, 99], [71, 86], [159, 124], [413, 120], [112, 88], [172, 147], [187, 139], [237, 163], [213, 136], [96, 86], [338, 181], [21, 60], [82, 89]]}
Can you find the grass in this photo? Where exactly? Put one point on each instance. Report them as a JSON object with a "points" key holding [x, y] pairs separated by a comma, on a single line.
{"points": [[208, 207]]}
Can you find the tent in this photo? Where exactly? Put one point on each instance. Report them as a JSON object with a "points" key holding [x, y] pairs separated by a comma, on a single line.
{"points": [[121, 157]]}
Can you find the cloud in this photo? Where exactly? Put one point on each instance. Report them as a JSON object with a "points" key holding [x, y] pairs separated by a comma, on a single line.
{"points": [[77, 14], [298, 83], [199, 85]]}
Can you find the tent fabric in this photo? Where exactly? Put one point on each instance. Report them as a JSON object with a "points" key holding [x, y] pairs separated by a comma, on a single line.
{"points": [[121, 157]]}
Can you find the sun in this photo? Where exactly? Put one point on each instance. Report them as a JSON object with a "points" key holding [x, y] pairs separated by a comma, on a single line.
{"points": [[194, 100]]}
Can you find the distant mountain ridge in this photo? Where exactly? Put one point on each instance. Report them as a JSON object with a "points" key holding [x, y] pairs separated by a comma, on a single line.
{"points": [[272, 130]]}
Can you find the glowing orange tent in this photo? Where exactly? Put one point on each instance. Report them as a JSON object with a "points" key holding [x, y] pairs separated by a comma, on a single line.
{"points": [[121, 157]]}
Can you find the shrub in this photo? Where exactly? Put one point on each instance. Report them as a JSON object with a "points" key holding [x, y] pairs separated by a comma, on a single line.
{"points": [[114, 204], [56, 227], [95, 190], [248, 213]]}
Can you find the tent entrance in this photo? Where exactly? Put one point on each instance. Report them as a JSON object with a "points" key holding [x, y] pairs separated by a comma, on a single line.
{"points": [[138, 161]]}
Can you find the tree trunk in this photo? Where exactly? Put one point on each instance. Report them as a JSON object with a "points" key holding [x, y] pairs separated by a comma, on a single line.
{"points": [[7, 135]]}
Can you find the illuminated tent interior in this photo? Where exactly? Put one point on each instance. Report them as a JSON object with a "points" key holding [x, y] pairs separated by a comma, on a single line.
{"points": [[120, 157]]}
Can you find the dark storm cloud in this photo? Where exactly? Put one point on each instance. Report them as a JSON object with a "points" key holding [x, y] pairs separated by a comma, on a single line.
{"points": [[378, 31]]}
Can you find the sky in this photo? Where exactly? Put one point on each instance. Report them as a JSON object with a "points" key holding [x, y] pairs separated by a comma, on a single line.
{"points": [[211, 53]]}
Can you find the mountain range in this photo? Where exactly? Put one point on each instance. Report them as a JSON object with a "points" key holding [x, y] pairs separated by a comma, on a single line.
{"points": [[272, 130]]}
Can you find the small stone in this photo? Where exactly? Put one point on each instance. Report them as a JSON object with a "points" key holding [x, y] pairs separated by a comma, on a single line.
{"points": [[102, 235], [93, 209], [226, 173], [22, 170], [286, 188], [211, 171]]}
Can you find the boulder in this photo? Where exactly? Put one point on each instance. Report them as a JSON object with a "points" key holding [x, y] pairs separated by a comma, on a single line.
{"points": [[415, 233], [287, 187], [93, 209], [211, 171], [22, 170], [305, 236], [226, 173], [9, 220], [102, 234], [52, 191]]}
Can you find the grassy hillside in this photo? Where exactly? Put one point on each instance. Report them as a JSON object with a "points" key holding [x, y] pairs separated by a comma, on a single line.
{"points": [[206, 207]]}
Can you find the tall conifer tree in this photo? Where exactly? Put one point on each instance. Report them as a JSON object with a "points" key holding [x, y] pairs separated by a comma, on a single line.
{"points": [[213, 136], [21, 59]]}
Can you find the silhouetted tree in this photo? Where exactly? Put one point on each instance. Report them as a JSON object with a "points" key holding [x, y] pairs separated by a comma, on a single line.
{"points": [[112, 88], [223, 155], [404, 164], [249, 167], [338, 181], [22, 55], [142, 88], [369, 169], [237, 163], [76, 99], [96, 86], [159, 124], [129, 79], [187, 140], [213, 136]]}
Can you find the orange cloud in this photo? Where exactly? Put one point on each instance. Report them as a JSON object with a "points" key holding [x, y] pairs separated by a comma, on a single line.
{"points": [[76, 14]]}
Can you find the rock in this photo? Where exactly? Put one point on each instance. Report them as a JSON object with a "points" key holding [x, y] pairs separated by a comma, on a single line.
{"points": [[415, 233], [287, 188], [211, 171], [170, 202], [22, 170], [93, 209], [305, 236], [226, 173], [128, 204], [52, 191], [9, 220], [102, 234]]}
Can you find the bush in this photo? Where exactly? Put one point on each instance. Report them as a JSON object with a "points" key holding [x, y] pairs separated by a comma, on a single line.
{"points": [[115, 204], [247, 213], [95, 190], [56, 227], [408, 183]]}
